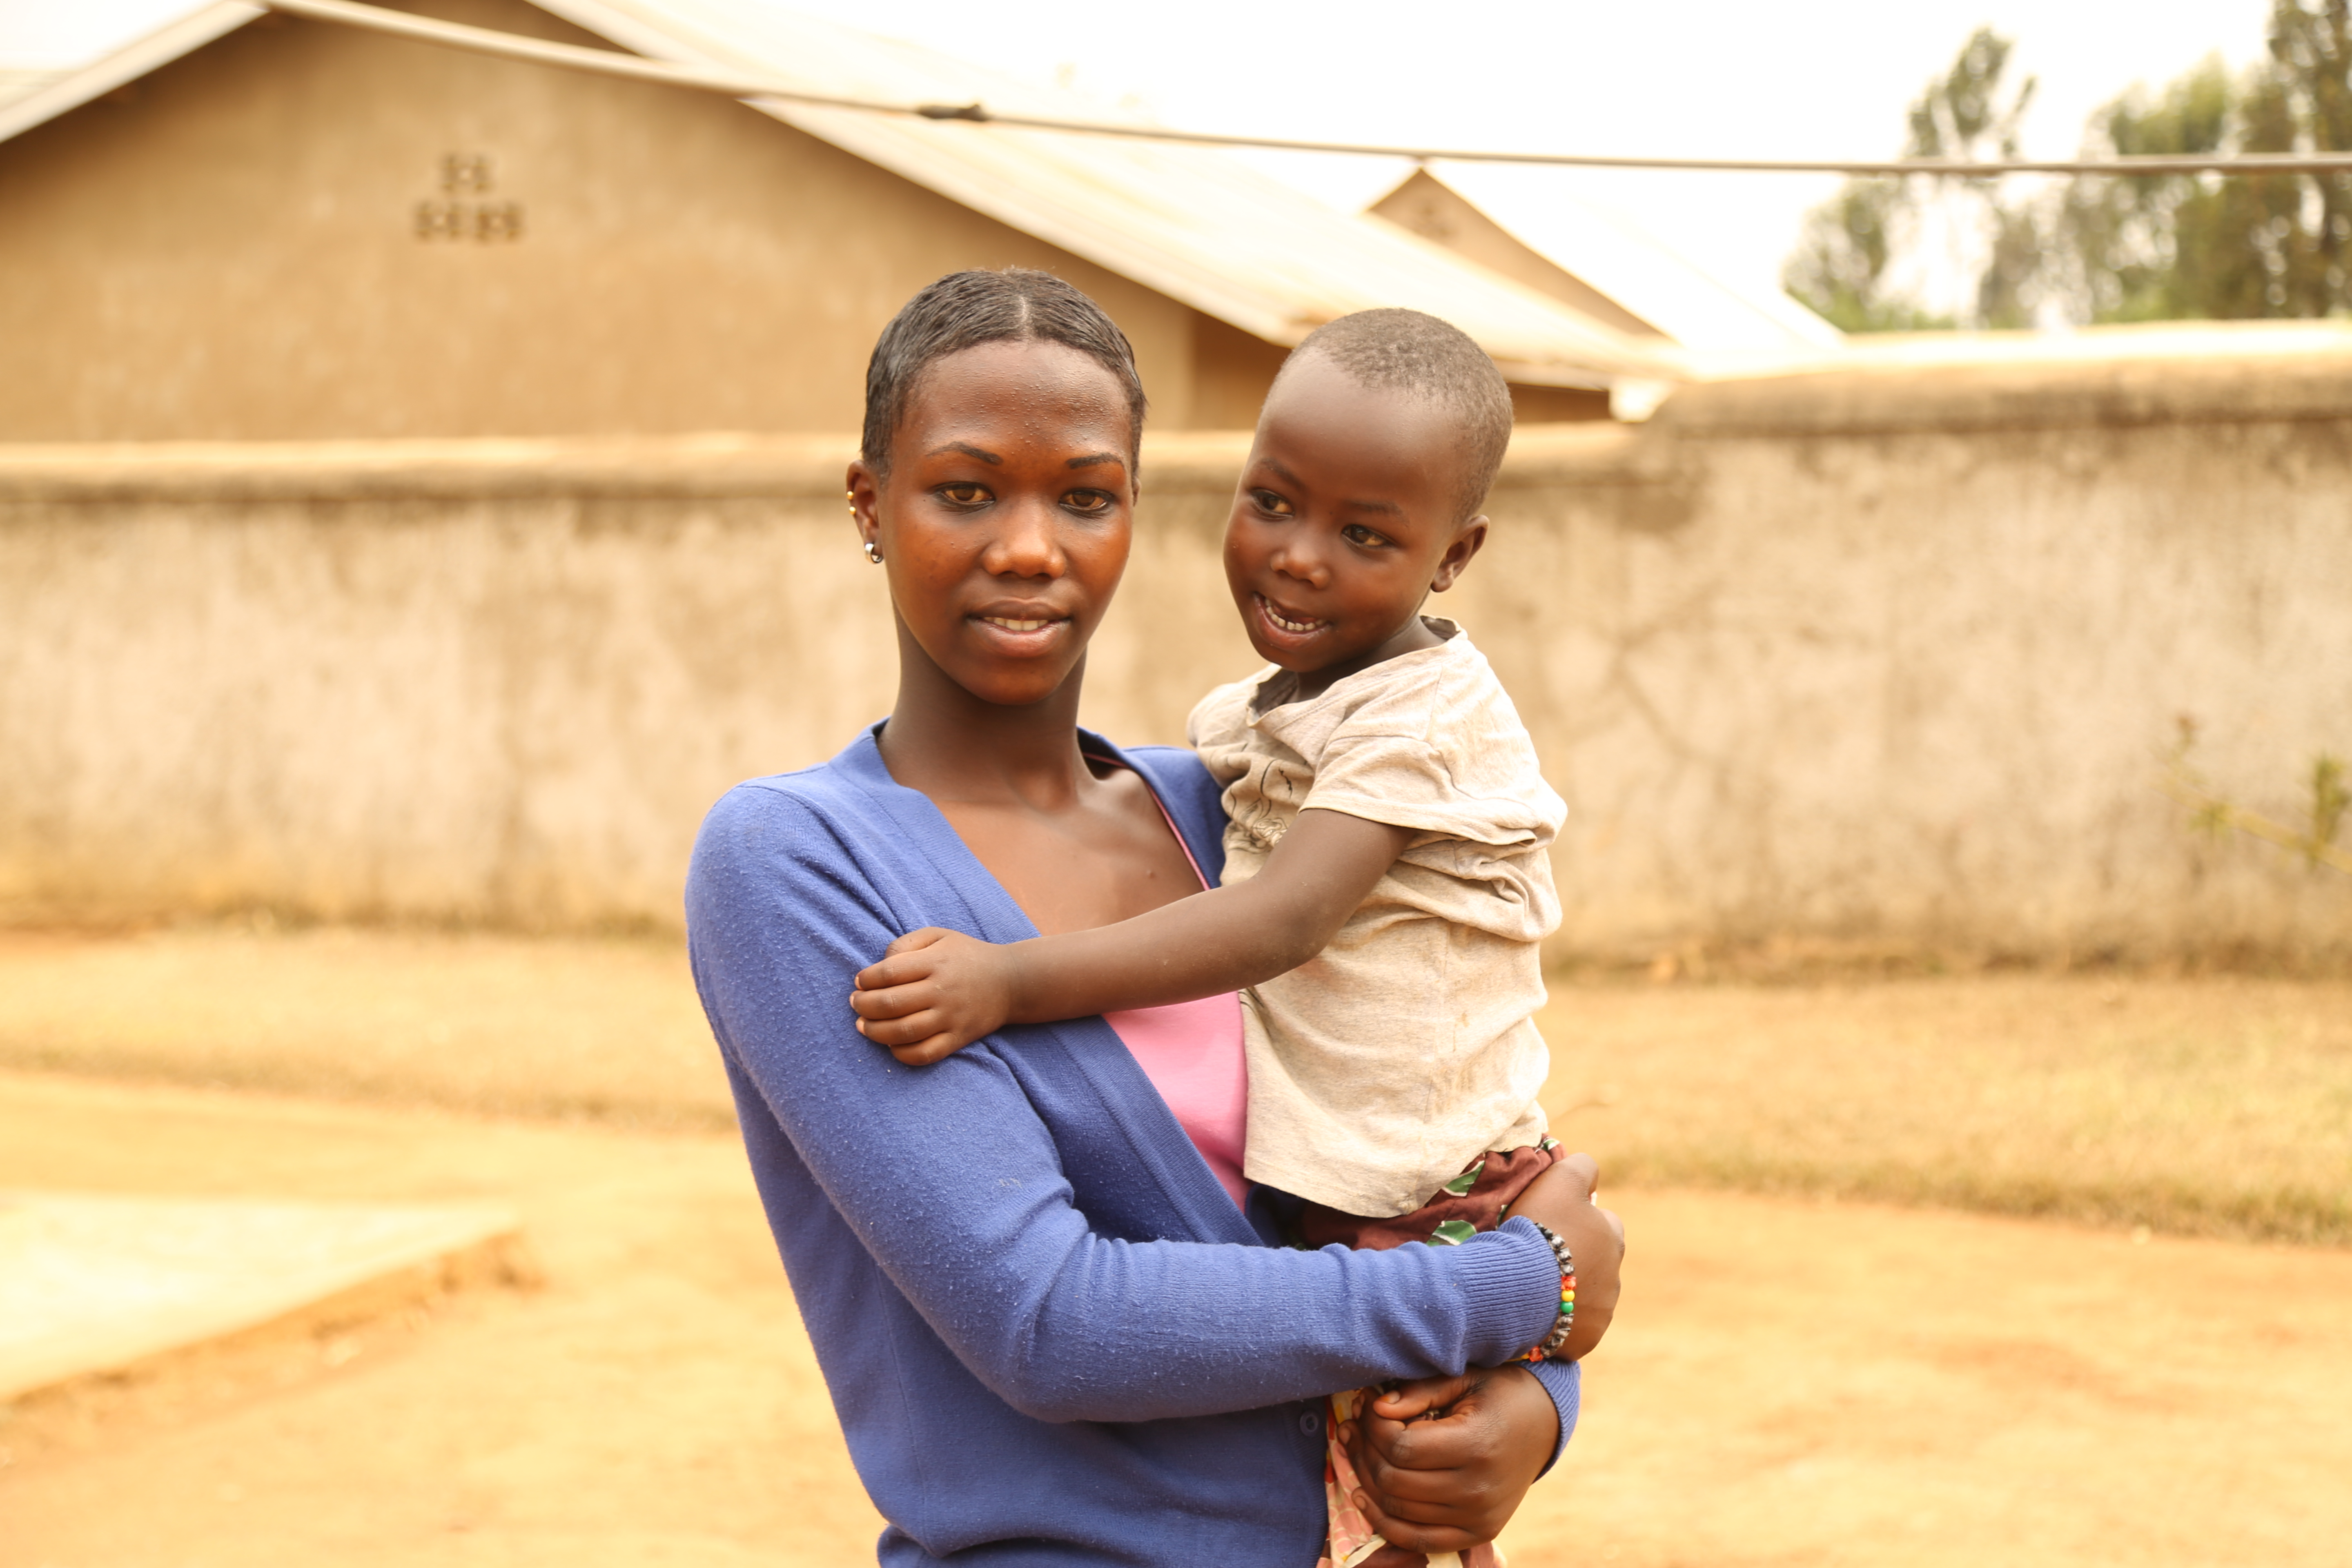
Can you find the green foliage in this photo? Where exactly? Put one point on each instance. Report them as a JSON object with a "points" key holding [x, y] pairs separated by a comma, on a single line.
{"points": [[1840, 268], [2216, 817], [2252, 246], [2103, 248], [2153, 249], [1962, 115], [1846, 263], [2329, 801]]}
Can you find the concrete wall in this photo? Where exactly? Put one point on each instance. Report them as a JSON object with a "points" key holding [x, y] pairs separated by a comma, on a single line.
{"points": [[229, 250], [1883, 656], [1896, 656]]}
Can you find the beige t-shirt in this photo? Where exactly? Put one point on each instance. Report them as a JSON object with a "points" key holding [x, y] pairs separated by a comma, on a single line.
{"points": [[1383, 1066]]}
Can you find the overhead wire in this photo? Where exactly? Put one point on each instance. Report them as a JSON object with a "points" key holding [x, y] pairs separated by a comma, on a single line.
{"points": [[737, 84]]}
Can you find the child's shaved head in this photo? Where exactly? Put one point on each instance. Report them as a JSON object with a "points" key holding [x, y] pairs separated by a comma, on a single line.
{"points": [[1433, 361]]}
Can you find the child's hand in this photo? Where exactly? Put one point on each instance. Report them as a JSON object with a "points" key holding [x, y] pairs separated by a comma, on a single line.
{"points": [[1563, 1198], [934, 992]]}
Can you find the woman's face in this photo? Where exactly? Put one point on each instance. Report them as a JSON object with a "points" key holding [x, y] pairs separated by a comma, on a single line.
{"points": [[1005, 518]]}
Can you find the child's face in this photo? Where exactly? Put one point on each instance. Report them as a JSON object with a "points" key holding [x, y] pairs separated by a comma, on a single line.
{"points": [[1345, 521]]}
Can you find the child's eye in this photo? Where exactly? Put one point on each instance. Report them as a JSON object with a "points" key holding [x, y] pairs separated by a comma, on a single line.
{"points": [[1357, 533], [963, 493], [1267, 502]]}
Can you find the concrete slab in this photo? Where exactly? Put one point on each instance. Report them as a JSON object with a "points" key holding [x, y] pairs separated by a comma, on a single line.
{"points": [[91, 1283]]}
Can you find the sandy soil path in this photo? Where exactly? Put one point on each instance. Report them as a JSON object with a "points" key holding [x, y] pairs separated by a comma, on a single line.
{"points": [[1791, 1382]]}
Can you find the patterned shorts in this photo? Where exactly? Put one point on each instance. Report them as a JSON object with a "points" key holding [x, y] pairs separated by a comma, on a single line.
{"points": [[1474, 1201]]}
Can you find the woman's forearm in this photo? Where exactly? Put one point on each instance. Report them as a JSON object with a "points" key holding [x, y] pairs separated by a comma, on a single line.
{"points": [[1130, 1332], [952, 1183]]}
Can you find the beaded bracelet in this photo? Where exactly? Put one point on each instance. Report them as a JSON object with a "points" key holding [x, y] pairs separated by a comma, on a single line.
{"points": [[1555, 1341]]}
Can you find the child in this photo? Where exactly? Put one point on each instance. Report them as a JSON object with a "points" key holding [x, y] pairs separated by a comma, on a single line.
{"points": [[1386, 881]]}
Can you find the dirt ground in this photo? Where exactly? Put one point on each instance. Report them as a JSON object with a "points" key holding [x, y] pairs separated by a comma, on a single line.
{"points": [[1791, 1381], [2216, 1106]]}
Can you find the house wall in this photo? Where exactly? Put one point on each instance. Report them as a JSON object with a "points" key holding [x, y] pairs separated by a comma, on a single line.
{"points": [[1557, 405], [228, 249], [1890, 657], [1231, 373]]}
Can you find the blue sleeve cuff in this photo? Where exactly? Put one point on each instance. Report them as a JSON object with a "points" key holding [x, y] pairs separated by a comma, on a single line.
{"points": [[1564, 1381], [1510, 1282]]}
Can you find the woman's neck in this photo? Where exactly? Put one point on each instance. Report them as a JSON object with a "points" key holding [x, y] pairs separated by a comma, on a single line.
{"points": [[952, 746]]}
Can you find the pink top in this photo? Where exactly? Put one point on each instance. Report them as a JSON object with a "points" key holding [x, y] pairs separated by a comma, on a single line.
{"points": [[1192, 1052]]}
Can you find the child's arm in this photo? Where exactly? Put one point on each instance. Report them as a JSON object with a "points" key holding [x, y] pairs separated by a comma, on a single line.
{"points": [[938, 990]]}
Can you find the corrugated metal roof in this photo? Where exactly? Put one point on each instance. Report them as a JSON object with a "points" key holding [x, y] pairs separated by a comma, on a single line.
{"points": [[1546, 211], [71, 89], [18, 81], [1193, 222]]}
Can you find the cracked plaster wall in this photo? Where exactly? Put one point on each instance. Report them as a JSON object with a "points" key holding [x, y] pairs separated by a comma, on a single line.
{"points": [[1889, 657]]}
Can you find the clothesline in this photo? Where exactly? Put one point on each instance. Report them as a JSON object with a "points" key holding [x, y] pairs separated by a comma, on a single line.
{"points": [[737, 84]]}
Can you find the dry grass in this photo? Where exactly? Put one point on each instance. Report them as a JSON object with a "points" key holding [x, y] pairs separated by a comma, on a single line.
{"points": [[2216, 1106], [575, 1028]]}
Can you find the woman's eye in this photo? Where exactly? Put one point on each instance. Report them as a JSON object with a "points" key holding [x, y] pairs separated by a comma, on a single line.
{"points": [[1091, 503], [963, 494], [1270, 502]]}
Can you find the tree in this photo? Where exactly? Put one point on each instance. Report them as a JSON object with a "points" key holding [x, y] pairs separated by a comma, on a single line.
{"points": [[1862, 255], [2103, 248], [1841, 267], [2247, 246]]}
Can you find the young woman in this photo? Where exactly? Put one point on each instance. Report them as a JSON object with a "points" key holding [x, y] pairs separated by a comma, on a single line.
{"points": [[1051, 1317]]}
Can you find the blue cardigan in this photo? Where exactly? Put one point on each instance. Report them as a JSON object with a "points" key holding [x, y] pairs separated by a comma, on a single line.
{"points": [[1050, 1336]]}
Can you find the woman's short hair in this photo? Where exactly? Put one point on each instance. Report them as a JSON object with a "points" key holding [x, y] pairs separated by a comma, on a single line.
{"points": [[965, 310]]}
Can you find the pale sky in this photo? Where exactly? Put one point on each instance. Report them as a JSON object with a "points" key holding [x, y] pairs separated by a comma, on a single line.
{"points": [[1811, 78]]}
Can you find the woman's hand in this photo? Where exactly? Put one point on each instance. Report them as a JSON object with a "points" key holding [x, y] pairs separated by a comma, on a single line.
{"points": [[1561, 1198], [1445, 1461], [934, 992]]}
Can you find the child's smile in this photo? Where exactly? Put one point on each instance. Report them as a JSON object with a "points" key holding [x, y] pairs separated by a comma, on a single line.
{"points": [[1346, 519], [1286, 623]]}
